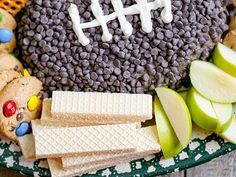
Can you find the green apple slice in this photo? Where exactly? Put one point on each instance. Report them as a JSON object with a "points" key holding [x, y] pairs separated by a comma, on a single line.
{"points": [[184, 95], [170, 144], [201, 110], [224, 114], [230, 133], [212, 82], [207, 114], [225, 59], [177, 113]]}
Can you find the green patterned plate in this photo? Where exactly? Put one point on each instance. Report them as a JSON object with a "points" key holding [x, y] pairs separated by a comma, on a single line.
{"points": [[203, 147]]}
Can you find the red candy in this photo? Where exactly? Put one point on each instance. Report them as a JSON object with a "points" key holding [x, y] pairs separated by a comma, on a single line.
{"points": [[9, 108]]}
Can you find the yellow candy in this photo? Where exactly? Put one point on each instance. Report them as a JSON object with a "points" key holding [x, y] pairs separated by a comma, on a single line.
{"points": [[33, 103], [26, 73]]}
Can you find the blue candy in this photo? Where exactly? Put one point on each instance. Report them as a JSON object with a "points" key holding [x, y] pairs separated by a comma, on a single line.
{"points": [[5, 35], [23, 129]]}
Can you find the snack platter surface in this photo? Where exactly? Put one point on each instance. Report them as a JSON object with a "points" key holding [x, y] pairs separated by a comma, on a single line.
{"points": [[142, 53]]}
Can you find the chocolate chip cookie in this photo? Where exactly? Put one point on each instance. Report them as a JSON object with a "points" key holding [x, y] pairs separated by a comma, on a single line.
{"points": [[15, 101]]}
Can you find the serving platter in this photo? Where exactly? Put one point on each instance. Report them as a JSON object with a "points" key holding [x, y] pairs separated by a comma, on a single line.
{"points": [[204, 146]]}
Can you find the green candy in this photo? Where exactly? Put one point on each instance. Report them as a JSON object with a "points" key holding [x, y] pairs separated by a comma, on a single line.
{"points": [[1, 16]]}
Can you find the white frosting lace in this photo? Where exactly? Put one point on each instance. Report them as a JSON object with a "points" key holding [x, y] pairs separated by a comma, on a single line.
{"points": [[143, 8]]}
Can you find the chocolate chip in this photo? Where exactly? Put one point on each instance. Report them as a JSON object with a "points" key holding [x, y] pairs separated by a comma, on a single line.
{"points": [[117, 71], [44, 19], [126, 74], [94, 76], [49, 32], [160, 35], [26, 41], [145, 45], [19, 117]]}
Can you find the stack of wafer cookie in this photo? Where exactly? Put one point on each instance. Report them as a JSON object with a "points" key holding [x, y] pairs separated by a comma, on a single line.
{"points": [[83, 132]]}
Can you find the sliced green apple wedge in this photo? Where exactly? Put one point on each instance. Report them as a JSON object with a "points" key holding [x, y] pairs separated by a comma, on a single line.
{"points": [[207, 114], [212, 82], [224, 114], [225, 59], [184, 95], [201, 110], [170, 144], [177, 113], [230, 133]]}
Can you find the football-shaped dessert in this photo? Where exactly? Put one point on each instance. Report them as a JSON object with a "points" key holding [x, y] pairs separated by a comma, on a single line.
{"points": [[118, 46]]}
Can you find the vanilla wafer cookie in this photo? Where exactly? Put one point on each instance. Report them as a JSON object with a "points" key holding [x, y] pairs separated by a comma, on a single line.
{"points": [[57, 170], [69, 141], [48, 120], [27, 146], [102, 106], [147, 144]]}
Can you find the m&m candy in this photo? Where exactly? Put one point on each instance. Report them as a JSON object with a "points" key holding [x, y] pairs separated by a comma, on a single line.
{"points": [[5, 35], [22, 129], [9, 108], [33, 103], [26, 73]]}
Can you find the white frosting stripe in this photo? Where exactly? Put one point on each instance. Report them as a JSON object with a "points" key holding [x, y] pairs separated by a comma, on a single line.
{"points": [[74, 15], [95, 22], [98, 14], [166, 13], [143, 7], [145, 15], [126, 27]]}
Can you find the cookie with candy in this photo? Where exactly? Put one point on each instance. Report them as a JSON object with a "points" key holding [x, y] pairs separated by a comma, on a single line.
{"points": [[19, 104], [7, 37], [10, 69], [19, 97], [6, 76], [8, 61], [7, 20]]}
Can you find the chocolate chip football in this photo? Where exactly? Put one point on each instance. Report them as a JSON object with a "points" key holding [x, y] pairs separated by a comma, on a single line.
{"points": [[104, 57]]}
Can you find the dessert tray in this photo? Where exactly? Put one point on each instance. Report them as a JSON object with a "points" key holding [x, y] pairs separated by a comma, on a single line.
{"points": [[116, 87]]}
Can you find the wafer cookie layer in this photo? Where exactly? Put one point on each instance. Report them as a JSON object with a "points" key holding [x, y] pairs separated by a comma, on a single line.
{"points": [[48, 120], [27, 146], [57, 170], [147, 144], [102, 106], [69, 141]]}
